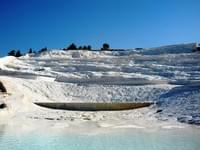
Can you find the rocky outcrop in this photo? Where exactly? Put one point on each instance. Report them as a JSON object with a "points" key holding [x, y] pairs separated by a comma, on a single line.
{"points": [[2, 88], [3, 105]]}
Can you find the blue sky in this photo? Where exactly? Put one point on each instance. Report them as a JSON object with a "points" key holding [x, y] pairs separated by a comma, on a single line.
{"points": [[35, 24]]}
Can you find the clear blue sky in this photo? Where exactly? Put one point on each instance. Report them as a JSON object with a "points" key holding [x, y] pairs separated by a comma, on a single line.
{"points": [[35, 24]]}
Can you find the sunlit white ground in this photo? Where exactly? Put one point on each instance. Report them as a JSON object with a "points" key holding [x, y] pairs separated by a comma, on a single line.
{"points": [[169, 76]]}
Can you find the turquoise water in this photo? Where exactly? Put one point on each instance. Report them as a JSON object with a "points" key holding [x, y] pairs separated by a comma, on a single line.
{"points": [[110, 139]]}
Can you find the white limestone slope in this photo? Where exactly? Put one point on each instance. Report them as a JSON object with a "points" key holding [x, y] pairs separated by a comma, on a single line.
{"points": [[169, 76]]}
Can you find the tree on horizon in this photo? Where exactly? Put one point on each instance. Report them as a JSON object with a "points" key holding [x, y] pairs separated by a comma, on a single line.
{"points": [[30, 51], [12, 53], [84, 47], [89, 47], [43, 50], [105, 46], [18, 54], [72, 47], [80, 47], [15, 53]]}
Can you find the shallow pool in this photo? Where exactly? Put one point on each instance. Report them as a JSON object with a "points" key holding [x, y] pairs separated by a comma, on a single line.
{"points": [[106, 139]]}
